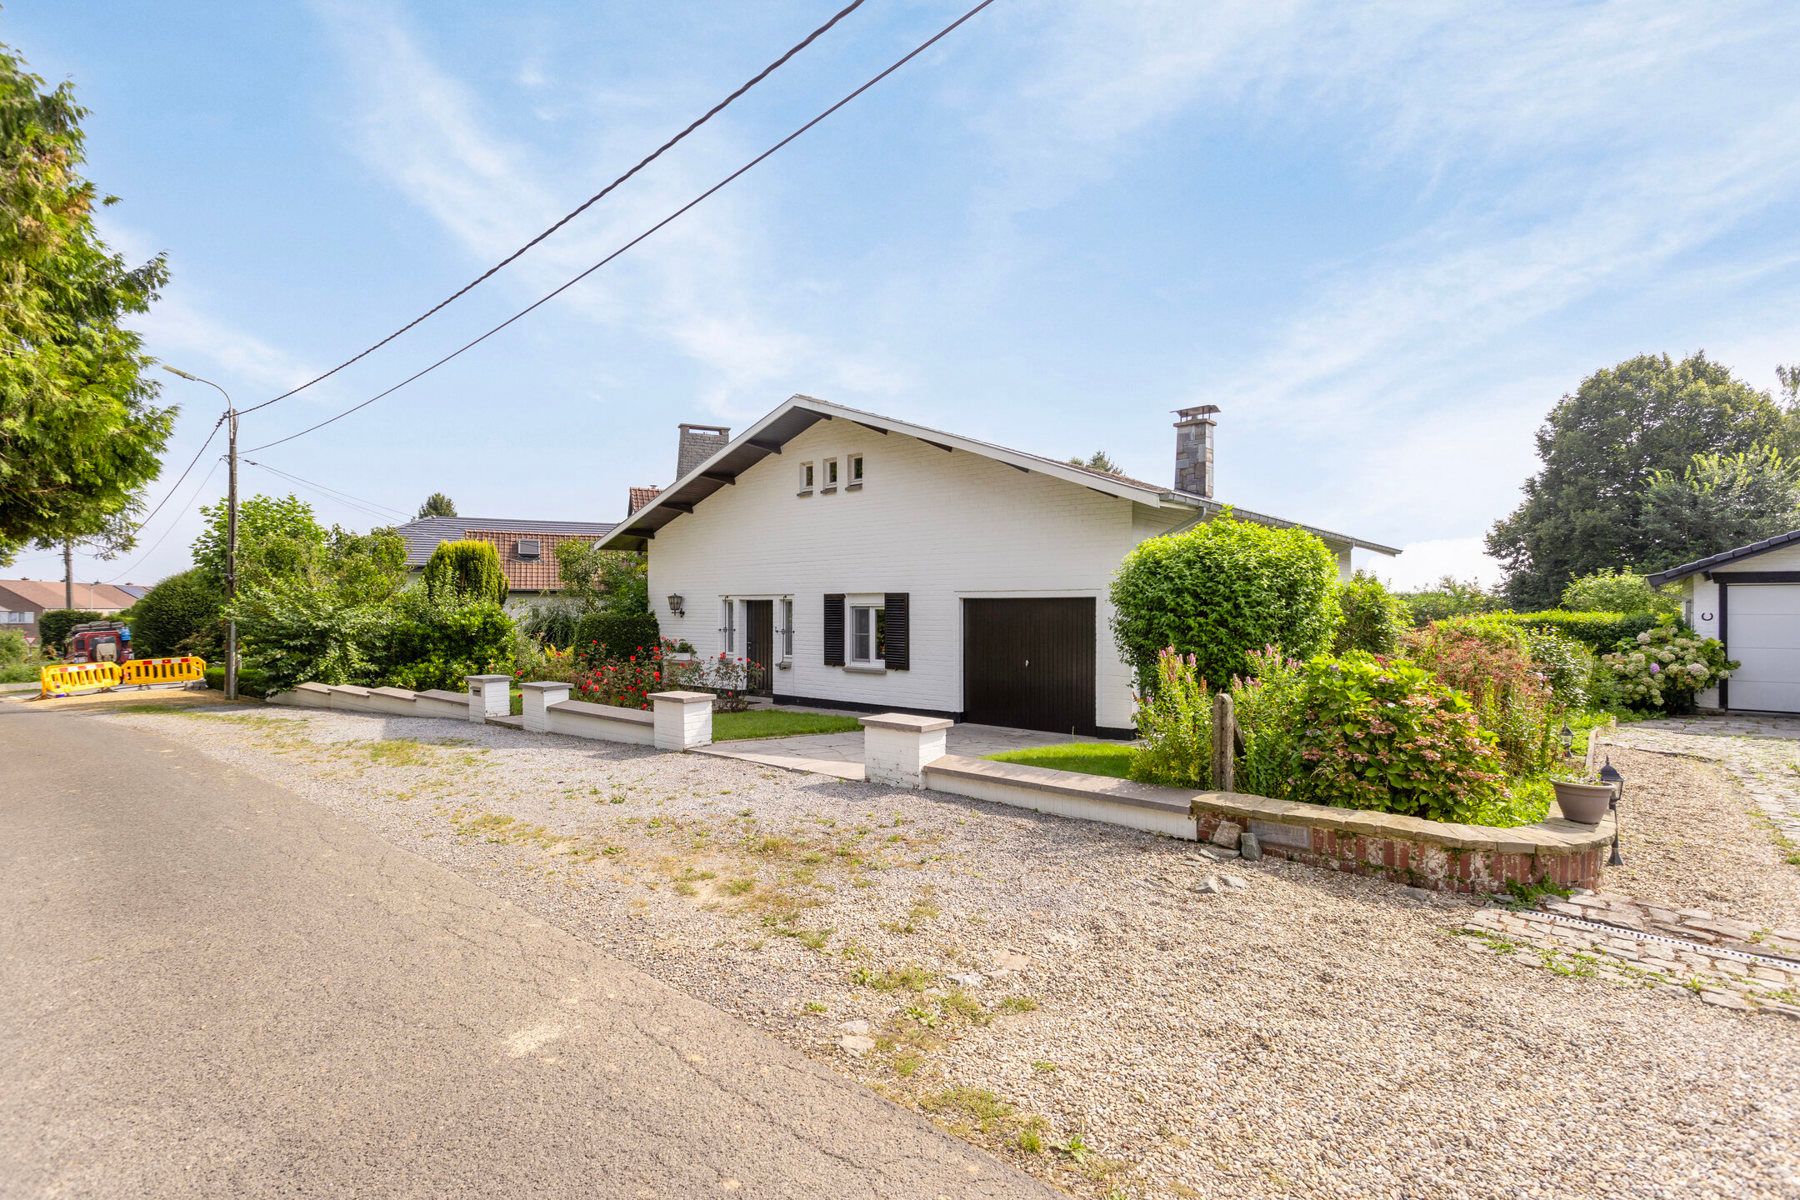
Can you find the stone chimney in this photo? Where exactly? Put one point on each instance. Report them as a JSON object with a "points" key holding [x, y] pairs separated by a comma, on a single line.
{"points": [[1194, 449], [699, 443]]}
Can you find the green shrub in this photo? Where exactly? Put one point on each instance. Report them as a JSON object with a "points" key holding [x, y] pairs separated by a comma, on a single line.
{"points": [[251, 682], [1373, 617], [1220, 591], [1174, 723], [466, 570], [54, 625], [291, 634], [608, 632], [1668, 667], [1450, 598], [1567, 665], [552, 623], [1510, 695], [1620, 592], [421, 643], [12, 648], [180, 615], [1267, 705], [1389, 737]]}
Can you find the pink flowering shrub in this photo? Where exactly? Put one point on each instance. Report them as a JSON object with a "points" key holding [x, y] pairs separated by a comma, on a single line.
{"points": [[1389, 737]]}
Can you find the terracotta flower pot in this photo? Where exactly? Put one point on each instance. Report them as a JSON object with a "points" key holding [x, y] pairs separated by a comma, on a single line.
{"points": [[1583, 803]]}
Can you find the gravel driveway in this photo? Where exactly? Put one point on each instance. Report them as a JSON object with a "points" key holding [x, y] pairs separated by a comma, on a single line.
{"points": [[1060, 992]]}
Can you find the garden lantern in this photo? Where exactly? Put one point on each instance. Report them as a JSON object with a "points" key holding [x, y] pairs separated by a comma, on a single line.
{"points": [[1610, 774], [1567, 737]]}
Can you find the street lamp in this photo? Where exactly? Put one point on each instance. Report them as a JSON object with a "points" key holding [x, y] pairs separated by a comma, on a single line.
{"points": [[231, 512], [1610, 774]]}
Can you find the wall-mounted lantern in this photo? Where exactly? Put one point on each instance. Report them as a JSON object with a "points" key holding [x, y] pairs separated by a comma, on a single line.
{"points": [[675, 602]]}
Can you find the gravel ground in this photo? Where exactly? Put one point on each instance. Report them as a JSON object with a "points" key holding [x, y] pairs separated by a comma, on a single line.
{"points": [[1689, 841], [1058, 991]]}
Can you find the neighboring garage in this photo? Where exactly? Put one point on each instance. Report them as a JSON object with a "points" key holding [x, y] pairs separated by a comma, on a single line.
{"points": [[1749, 598], [1029, 663]]}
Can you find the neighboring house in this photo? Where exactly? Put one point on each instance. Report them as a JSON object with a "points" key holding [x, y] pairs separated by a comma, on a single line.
{"points": [[1748, 598], [23, 600], [880, 565], [527, 548]]}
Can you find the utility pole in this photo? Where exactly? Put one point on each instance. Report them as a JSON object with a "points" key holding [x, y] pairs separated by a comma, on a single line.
{"points": [[68, 573], [231, 514]]}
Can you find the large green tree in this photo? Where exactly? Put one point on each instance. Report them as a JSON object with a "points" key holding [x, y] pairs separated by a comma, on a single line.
{"points": [[1601, 449], [80, 434], [437, 505], [278, 539], [1719, 501]]}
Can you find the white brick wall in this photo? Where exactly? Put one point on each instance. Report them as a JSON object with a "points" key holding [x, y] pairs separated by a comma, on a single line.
{"points": [[938, 525]]}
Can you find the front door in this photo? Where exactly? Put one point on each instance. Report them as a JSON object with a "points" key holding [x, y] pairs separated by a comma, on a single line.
{"points": [[759, 645]]}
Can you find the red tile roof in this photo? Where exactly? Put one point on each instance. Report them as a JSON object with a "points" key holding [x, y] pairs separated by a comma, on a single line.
{"points": [[539, 574], [30, 595], [641, 496]]}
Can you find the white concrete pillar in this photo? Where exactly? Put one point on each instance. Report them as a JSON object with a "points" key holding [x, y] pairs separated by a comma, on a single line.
{"points": [[538, 699], [683, 719], [489, 696], [897, 747]]}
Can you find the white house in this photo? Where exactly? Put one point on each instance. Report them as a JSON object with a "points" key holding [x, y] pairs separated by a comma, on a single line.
{"points": [[879, 565], [1748, 598]]}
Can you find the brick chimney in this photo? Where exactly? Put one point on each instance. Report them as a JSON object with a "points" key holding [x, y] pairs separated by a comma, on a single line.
{"points": [[1194, 449], [699, 443]]}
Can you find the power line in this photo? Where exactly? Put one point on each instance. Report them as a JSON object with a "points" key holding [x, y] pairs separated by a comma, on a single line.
{"points": [[174, 487], [139, 560], [547, 297], [369, 507], [655, 154]]}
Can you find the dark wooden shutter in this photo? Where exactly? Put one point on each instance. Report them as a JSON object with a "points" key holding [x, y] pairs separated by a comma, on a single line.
{"points": [[898, 654], [834, 630]]}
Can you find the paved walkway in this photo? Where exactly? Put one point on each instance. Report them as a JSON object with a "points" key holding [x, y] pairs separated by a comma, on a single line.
{"points": [[841, 754], [211, 987], [1762, 753]]}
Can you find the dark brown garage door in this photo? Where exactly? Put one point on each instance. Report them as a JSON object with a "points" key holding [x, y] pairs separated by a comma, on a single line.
{"points": [[1029, 664]]}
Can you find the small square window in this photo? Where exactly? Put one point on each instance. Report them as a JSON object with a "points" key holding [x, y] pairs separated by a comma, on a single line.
{"points": [[856, 470], [806, 478], [830, 482]]}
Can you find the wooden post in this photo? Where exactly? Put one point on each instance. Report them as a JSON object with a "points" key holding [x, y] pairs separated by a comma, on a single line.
{"points": [[1224, 744]]}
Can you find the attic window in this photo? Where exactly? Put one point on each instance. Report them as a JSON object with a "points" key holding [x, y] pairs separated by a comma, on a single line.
{"points": [[528, 547], [806, 478], [855, 468], [831, 475]]}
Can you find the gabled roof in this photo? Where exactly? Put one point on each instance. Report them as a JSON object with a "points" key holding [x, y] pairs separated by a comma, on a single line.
{"points": [[1723, 557], [800, 413], [428, 533]]}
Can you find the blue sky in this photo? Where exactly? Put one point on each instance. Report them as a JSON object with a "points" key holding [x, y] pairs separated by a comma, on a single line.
{"points": [[1384, 238]]}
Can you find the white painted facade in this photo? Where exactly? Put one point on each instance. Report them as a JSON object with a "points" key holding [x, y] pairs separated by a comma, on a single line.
{"points": [[940, 525]]}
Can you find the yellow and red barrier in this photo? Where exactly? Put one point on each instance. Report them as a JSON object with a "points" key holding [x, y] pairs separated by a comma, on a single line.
{"points": [[142, 672], [70, 679]]}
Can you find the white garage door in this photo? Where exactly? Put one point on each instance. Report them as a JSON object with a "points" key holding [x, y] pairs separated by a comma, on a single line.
{"points": [[1762, 631]]}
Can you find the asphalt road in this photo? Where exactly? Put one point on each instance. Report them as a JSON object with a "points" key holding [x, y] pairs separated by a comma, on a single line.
{"points": [[211, 987]]}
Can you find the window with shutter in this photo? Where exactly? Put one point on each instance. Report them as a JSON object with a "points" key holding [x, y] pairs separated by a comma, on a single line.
{"points": [[834, 630], [897, 649]]}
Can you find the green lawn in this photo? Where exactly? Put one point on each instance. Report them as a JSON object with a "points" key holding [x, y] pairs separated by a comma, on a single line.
{"points": [[1086, 758], [770, 723]]}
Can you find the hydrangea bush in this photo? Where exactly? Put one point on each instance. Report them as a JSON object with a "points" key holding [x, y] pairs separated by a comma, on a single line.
{"points": [[1667, 668]]}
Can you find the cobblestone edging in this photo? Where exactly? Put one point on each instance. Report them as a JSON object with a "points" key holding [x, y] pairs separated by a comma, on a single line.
{"points": [[1761, 753], [1694, 965]]}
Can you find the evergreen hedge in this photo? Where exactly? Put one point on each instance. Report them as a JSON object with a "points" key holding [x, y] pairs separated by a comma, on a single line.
{"points": [[615, 633], [465, 571]]}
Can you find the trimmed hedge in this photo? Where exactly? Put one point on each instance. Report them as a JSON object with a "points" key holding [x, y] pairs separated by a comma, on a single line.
{"points": [[619, 633], [465, 571], [180, 615], [1599, 631], [251, 682], [1222, 591]]}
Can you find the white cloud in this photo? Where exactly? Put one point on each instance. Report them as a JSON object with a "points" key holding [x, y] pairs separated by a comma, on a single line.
{"points": [[698, 285]]}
